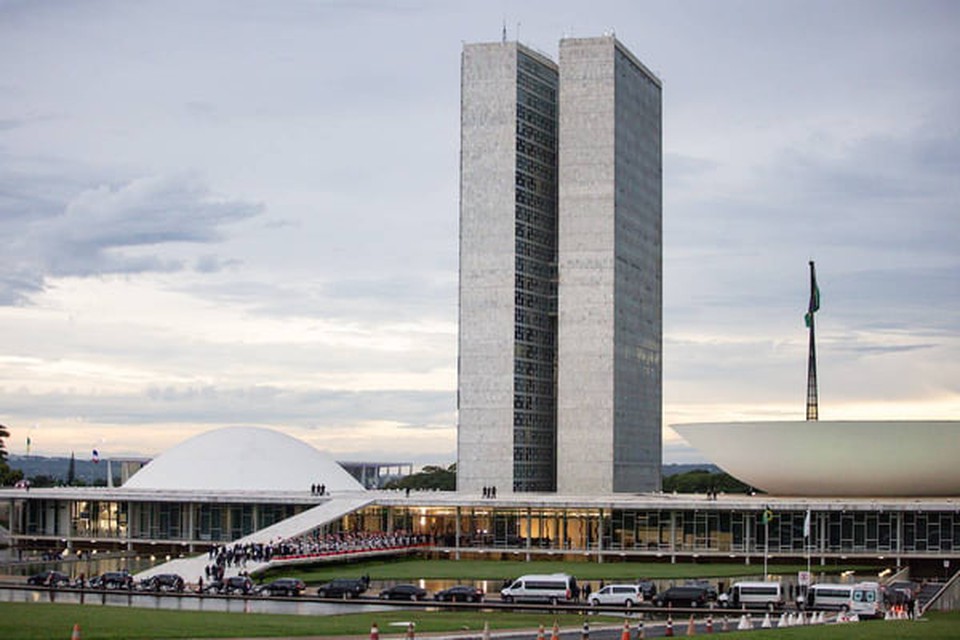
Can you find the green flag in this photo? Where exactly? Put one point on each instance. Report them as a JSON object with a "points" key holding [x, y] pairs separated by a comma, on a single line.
{"points": [[767, 516], [814, 304]]}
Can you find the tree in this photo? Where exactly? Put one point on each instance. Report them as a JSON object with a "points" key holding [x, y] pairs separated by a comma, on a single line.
{"points": [[72, 471], [702, 481], [431, 477], [8, 476]]}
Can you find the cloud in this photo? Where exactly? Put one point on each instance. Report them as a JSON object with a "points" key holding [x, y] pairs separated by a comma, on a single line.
{"points": [[109, 230]]}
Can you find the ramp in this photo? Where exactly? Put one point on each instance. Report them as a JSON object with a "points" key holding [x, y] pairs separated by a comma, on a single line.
{"points": [[191, 569]]}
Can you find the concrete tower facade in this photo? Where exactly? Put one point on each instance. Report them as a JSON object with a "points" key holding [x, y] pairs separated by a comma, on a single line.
{"points": [[560, 295], [506, 435], [610, 263]]}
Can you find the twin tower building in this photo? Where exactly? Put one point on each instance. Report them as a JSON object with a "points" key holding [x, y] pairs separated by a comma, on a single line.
{"points": [[560, 334]]}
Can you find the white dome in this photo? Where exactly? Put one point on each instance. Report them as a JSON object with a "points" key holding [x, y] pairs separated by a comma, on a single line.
{"points": [[835, 458], [242, 459]]}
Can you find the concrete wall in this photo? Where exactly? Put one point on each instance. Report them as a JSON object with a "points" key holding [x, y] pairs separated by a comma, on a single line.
{"points": [[610, 292], [485, 361]]}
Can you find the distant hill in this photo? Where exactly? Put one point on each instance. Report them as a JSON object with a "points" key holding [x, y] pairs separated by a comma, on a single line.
{"points": [[673, 469], [89, 472], [85, 470]]}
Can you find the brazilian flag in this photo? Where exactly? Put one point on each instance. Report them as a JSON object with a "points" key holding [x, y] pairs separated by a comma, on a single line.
{"points": [[767, 515], [814, 305]]}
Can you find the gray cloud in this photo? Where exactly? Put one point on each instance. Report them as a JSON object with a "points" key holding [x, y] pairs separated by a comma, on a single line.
{"points": [[109, 230]]}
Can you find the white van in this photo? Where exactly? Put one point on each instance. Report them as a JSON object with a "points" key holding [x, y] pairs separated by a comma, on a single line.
{"points": [[767, 595], [838, 597], [553, 588], [867, 600]]}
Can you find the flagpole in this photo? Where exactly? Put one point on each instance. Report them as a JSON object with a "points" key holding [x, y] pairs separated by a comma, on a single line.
{"points": [[812, 307], [766, 545]]}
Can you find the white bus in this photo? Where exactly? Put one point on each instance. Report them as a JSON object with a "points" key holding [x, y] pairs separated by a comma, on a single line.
{"points": [[554, 588], [768, 595], [862, 598]]}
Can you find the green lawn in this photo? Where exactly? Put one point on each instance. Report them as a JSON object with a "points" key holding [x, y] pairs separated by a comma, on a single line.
{"points": [[413, 569], [934, 626], [24, 621]]}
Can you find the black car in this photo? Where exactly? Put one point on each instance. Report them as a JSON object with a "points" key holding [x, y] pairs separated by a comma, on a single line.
{"points": [[283, 587], [712, 593], [164, 582], [49, 579], [112, 580], [685, 596], [343, 588], [460, 593], [236, 584], [403, 592]]}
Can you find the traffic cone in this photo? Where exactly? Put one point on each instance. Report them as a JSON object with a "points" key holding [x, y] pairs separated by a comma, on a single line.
{"points": [[540, 633], [585, 634], [374, 632], [766, 624], [691, 627], [725, 625], [710, 623], [782, 622], [555, 634], [75, 635], [640, 635], [625, 634], [668, 632], [410, 632]]}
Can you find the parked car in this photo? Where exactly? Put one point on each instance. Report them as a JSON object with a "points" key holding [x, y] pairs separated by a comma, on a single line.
{"points": [[343, 588], [164, 582], [685, 596], [230, 586], [112, 580], [624, 595], [403, 592], [284, 587], [460, 593], [712, 593], [49, 579]]}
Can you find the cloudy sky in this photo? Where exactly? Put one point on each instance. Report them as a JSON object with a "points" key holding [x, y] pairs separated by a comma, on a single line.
{"points": [[230, 212]]}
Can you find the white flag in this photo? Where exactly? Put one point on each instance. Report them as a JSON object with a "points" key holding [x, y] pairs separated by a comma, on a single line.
{"points": [[806, 525]]}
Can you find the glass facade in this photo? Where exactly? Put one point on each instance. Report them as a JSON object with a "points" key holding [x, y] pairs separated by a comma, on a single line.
{"points": [[535, 294], [917, 531]]}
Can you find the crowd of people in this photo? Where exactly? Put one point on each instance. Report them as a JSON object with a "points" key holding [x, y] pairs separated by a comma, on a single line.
{"points": [[347, 542], [315, 543]]}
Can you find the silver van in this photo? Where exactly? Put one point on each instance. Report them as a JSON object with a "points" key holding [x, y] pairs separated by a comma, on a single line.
{"points": [[554, 588], [766, 595]]}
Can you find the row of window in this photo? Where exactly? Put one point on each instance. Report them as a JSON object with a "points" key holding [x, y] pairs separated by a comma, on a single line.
{"points": [[541, 202], [534, 218], [538, 120], [534, 168], [530, 250], [545, 87], [534, 352], [537, 268], [532, 101], [534, 336], [543, 388], [538, 318], [539, 186], [533, 134], [535, 151]]}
